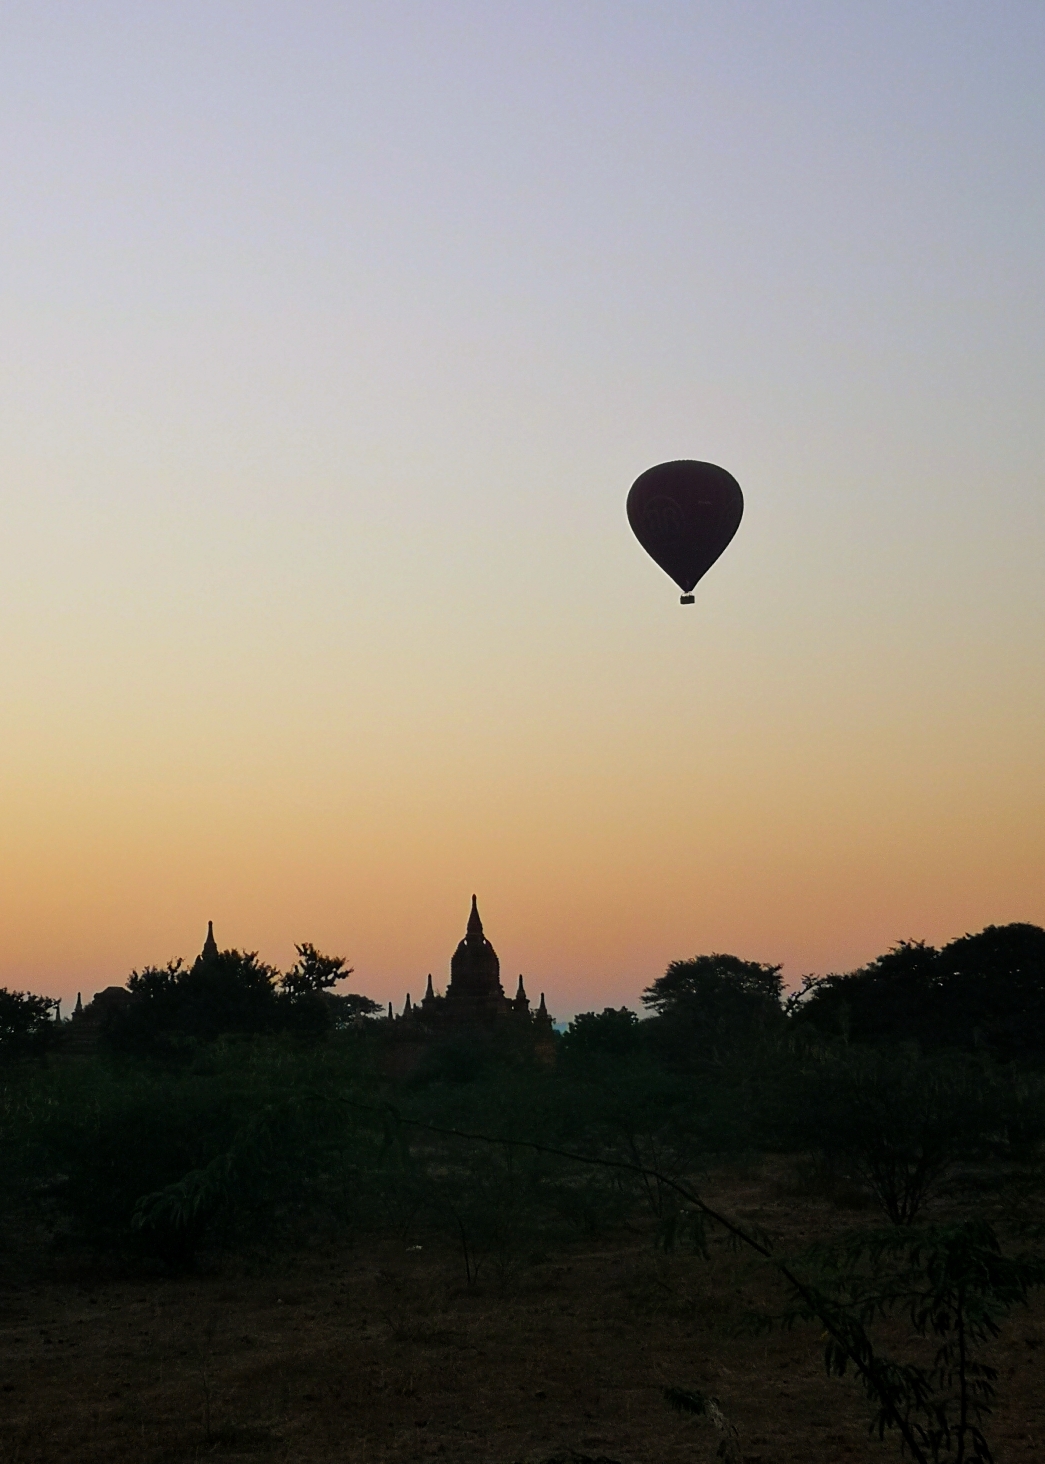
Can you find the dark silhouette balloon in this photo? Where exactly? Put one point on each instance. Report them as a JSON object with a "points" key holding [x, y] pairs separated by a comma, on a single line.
{"points": [[684, 514]]}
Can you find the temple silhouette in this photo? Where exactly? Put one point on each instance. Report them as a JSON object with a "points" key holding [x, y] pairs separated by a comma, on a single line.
{"points": [[473, 1013], [474, 1001]]}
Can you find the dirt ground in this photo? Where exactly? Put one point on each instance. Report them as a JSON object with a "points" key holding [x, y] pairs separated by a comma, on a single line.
{"points": [[379, 1351]]}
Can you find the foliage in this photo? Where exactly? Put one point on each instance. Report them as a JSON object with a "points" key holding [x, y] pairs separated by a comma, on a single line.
{"points": [[313, 972], [232, 992], [91, 1138], [983, 992], [954, 1284], [220, 993], [992, 988], [889, 1118], [282, 1161], [611, 1032], [27, 1023], [708, 1007], [349, 1008], [892, 999]]}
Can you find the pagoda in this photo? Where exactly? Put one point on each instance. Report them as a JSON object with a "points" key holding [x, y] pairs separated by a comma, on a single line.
{"points": [[474, 999]]}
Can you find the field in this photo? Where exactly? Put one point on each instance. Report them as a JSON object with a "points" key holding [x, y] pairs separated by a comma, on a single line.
{"points": [[380, 1350]]}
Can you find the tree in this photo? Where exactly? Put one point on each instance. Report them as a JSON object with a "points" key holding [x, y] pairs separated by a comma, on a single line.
{"points": [[984, 991], [229, 991], [222, 992], [233, 992], [313, 972], [611, 1032], [992, 990], [713, 1003], [26, 1022], [889, 1117], [350, 1008], [892, 998]]}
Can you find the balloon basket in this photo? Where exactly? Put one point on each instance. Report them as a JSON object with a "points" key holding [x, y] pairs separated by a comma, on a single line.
{"points": [[685, 599]]}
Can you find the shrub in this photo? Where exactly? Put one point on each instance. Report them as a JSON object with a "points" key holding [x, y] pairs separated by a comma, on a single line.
{"points": [[892, 1119]]}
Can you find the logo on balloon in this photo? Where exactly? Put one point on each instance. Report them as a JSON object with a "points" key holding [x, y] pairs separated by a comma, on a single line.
{"points": [[662, 516]]}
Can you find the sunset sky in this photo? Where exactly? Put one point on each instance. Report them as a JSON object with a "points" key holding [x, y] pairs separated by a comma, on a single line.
{"points": [[332, 337]]}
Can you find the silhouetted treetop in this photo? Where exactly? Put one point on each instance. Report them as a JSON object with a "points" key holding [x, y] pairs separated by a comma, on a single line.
{"points": [[228, 992], [612, 1032], [312, 971], [982, 991], [711, 1004], [715, 980], [26, 1022]]}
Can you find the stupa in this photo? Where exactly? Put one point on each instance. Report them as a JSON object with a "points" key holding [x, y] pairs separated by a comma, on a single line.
{"points": [[475, 998]]}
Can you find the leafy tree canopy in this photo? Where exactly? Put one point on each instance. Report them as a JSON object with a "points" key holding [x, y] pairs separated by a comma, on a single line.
{"points": [[712, 1003], [984, 991], [231, 991], [613, 1032], [26, 1022], [312, 971], [713, 984]]}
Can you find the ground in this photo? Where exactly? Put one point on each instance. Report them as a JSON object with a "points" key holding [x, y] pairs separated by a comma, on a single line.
{"points": [[378, 1351]]}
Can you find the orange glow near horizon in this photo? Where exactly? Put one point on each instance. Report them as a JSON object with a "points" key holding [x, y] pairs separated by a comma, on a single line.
{"points": [[329, 353]]}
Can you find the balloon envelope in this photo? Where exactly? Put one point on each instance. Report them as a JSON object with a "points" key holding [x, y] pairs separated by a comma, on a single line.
{"points": [[684, 514]]}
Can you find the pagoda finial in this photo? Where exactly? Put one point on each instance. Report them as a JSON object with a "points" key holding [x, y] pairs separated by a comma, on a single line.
{"points": [[475, 925], [210, 945], [430, 991]]}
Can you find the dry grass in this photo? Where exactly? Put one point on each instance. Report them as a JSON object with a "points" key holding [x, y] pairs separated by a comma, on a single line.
{"points": [[379, 1352]]}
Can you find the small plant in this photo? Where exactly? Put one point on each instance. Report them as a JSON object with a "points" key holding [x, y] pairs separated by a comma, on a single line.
{"points": [[954, 1284]]}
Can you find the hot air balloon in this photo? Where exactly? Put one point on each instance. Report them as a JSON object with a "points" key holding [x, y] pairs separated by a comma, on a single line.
{"points": [[684, 514]]}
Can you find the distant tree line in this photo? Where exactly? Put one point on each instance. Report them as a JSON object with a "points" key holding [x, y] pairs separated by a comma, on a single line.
{"points": [[223, 993], [981, 993]]}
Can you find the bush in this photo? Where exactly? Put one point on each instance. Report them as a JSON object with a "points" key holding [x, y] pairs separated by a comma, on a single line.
{"points": [[893, 1120]]}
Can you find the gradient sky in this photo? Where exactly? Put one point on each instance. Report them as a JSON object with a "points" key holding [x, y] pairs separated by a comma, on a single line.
{"points": [[331, 339]]}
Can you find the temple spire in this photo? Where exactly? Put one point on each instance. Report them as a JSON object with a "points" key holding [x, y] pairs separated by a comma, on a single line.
{"points": [[210, 945], [475, 925], [521, 1002]]}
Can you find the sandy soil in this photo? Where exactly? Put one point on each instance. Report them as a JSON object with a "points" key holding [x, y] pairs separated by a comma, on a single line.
{"points": [[377, 1351]]}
